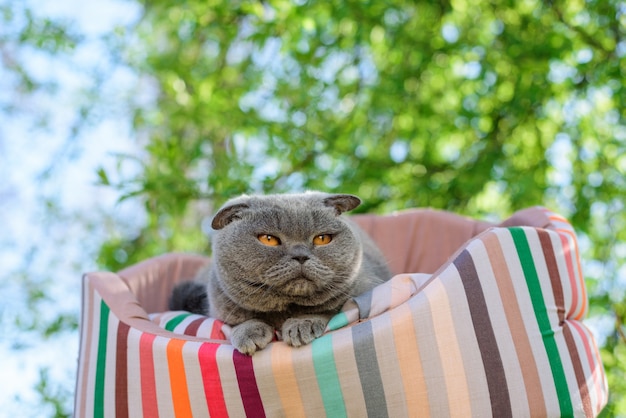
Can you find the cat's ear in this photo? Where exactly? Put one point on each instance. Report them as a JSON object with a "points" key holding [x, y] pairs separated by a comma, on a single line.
{"points": [[342, 202], [227, 214]]}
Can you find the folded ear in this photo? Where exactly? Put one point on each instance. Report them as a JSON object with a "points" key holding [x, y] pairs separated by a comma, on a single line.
{"points": [[342, 202], [227, 214]]}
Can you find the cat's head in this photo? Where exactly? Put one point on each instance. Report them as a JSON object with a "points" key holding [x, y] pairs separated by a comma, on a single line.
{"points": [[275, 252]]}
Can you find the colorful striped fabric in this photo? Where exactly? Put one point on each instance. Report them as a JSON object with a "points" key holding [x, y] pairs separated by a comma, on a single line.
{"points": [[495, 331]]}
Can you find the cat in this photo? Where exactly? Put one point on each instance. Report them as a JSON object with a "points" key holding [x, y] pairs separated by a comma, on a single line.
{"points": [[284, 262]]}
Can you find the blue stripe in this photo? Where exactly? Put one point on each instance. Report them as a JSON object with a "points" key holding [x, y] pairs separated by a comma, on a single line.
{"points": [[338, 321]]}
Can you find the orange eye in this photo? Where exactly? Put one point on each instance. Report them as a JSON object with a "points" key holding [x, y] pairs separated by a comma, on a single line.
{"points": [[269, 240], [322, 239]]}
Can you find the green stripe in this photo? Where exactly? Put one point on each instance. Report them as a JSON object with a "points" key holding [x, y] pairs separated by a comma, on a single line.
{"points": [[541, 313], [98, 407], [338, 321], [173, 323], [327, 378]]}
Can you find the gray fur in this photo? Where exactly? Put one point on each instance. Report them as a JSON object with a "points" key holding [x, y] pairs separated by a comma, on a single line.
{"points": [[295, 287]]}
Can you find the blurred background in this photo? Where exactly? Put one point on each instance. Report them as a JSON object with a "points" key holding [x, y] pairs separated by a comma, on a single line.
{"points": [[125, 123]]}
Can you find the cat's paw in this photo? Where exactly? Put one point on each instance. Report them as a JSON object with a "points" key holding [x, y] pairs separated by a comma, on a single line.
{"points": [[251, 335], [302, 330]]}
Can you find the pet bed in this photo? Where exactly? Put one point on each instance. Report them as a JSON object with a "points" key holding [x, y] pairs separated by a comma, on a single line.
{"points": [[479, 320]]}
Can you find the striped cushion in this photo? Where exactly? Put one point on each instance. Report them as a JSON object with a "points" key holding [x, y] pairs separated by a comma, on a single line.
{"points": [[496, 331], [396, 291]]}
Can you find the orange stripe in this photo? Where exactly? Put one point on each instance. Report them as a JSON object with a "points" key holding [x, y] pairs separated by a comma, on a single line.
{"points": [[148, 385], [407, 351], [578, 287], [515, 319], [454, 372], [178, 380], [401, 287], [554, 217], [286, 382]]}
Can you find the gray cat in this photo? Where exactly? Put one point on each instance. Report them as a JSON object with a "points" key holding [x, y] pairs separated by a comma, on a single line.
{"points": [[285, 262]]}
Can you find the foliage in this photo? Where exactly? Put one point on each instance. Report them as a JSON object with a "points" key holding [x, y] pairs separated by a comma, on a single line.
{"points": [[406, 104]]}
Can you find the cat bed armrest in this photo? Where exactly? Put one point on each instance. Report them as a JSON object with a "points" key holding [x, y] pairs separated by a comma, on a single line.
{"points": [[151, 279], [495, 329]]}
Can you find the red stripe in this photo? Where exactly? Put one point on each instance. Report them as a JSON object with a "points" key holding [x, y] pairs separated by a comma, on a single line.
{"points": [[121, 371], [216, 331], [211, 379], [595, 364], [252, 403], [148, 384]]}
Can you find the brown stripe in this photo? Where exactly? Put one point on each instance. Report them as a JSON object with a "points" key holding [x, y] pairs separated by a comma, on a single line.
{"points": [[492, 362], [557, 290], [523, 347], [578, 370], [192, 328], [121, 372], [553, 272]]}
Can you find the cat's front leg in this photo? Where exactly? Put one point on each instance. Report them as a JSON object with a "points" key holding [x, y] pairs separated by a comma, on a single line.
{"points": [[251, 335], [303, 329]]}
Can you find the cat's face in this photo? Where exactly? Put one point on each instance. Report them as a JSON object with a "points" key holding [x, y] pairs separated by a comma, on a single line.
{"points": [[275, 251]]}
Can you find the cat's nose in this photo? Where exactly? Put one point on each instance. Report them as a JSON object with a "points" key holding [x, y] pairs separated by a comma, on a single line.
{"points": [[301, 258]]}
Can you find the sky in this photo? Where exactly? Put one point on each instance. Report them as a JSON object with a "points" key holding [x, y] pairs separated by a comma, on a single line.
{"points": [[54, 245]]}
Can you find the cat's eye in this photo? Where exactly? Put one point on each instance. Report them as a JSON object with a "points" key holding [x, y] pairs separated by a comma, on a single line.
{"points": [[322, 239], [269, 240]]}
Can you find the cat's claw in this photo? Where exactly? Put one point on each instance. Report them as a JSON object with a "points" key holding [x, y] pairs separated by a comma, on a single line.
{"points": [[251, 335], [302, 330]]}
